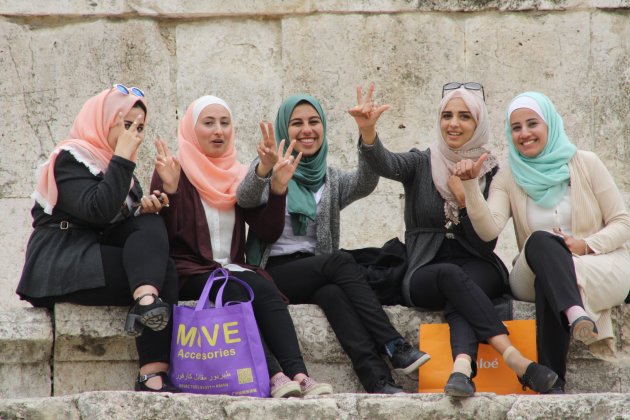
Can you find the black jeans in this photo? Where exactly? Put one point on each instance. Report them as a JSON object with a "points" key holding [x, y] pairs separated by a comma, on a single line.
{"points": [[556, 290], [134, 252], [336, 284], [280, 342], [463, 285]]}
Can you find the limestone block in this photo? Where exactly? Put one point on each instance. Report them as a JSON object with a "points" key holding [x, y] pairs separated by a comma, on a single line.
{"points": [[212, 8], [586, 406], [92, 333], [15, 225], [408, 56], [39, 408], [63, 7], [370, 6], [42, 94], [239, 61], [513, 53], [317, 339], [26, 341], [339, 375], [610, 76], [20, 380], [74, 377]]}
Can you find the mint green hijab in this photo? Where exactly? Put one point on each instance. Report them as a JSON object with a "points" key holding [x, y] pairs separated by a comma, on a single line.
{"points": [[311, 171], [545, 178]]}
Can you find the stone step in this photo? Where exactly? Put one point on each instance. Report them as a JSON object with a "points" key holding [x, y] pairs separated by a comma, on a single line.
{"points": [[123, 405], [90, 351]]}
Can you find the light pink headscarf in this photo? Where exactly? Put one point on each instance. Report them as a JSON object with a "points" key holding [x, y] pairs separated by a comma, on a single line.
{"points": [[215, 179], [87, 142], [443, 158]]}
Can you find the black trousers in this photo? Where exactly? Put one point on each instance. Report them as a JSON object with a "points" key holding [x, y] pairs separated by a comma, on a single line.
{"points": [[134, 252], [463, 285], [556, 290], [336, 284], [282, 350]]}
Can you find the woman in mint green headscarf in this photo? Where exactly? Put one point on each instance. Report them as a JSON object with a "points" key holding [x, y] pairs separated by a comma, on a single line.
{"points": [[305, 262], [571, 225]]}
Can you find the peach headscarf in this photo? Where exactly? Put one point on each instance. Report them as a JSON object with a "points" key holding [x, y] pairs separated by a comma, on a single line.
{"points": [[215, 179], [87, 142], [443, 158]]}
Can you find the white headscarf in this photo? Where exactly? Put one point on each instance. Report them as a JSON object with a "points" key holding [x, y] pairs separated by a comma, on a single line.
{"points": [[443, 158]]}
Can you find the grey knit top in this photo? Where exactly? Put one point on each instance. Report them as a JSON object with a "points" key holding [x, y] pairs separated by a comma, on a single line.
{"points": [[340, 189]]}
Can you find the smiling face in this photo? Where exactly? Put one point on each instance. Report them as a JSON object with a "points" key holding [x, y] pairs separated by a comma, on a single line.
{"points": [[457, 123], [116, 131], [529, 132], [214, 130], [306, 127]]}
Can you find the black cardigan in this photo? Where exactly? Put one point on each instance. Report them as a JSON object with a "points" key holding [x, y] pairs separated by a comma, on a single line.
{"points": [[60, 261]]}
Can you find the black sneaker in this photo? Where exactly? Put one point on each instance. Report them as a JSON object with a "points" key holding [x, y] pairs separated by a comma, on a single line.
{"points": [[407, 359], [556, 389], [459, 385], [387, 386], [538, 378]]}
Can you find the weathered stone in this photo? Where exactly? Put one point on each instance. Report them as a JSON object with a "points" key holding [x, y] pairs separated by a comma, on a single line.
{"points": [[74, 377], [130, 405]]}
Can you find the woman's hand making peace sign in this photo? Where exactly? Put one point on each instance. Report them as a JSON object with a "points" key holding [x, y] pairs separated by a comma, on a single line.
{"points": [[167, 166], [267, 151], [366, 113], [284, 169], [129, 139]]}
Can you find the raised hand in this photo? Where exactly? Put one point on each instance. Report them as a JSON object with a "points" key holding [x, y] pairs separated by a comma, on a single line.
{"points": [[284, 169], [267, 151], [167, 166], [466, 169], [153, 203], [366, 113], [129, 140], [457, 188]]}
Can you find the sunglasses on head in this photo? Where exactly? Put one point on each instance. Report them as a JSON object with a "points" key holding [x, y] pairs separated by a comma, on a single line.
{"points": [[468, 85], [126, 91]]}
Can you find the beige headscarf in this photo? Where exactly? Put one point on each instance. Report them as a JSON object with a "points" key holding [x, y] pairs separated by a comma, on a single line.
{"points": [[443, 158]]}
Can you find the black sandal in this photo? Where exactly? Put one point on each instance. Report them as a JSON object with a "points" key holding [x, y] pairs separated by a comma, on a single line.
{"points": [[167, 385], [154, 315]]}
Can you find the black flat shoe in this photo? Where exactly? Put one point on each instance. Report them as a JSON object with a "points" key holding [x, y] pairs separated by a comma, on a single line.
{"points": [[556, 389], [167, 385], [459, 385], [584, 329], [538, 378], [387, 386], [154, 315]]}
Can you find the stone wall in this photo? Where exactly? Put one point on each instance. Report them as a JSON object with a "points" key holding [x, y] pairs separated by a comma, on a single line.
{"points": [[54, 54]]}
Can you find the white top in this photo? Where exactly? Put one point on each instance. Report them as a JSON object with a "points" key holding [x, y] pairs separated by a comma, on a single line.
{"points": [[221, 227], [290, 243], [559, 216]]}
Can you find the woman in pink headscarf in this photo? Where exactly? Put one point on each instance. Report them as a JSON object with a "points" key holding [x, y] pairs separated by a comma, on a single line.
{"points": [[207, 231], [97, 240]]}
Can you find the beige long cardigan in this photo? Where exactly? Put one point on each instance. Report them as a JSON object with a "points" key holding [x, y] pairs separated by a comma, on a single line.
{"points": [[598, 215]]}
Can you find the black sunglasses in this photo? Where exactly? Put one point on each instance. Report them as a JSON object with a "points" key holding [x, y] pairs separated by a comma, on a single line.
{"points": [[468, 85]]}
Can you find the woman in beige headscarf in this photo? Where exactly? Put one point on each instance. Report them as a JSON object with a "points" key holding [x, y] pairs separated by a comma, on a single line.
{"points": [[450, 267]]}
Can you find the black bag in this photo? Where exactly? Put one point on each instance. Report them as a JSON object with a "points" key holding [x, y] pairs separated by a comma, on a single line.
{"points": [[384, 269]]}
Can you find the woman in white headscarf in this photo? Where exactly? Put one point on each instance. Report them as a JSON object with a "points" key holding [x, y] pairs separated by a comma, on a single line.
{"points": [[450, 267], [571, 226]]}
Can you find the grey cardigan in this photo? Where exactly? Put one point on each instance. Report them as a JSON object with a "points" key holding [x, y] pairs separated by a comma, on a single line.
{"points": [[424, 211], [340, 189]]}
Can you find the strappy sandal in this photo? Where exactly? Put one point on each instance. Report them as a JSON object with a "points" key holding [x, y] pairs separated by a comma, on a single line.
{"points": [[167, 385], [154, 315]]}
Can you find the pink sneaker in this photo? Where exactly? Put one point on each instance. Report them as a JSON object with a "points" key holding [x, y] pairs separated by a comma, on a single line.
{"points": [[310, 386], [283, 387]]}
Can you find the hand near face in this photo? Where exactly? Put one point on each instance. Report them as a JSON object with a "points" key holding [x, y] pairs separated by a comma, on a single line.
{"points": [[366, 113], [284, 169], [130, 138], [457, 188], [167, 166], [153, 203], [267, 151], [466, 169]]}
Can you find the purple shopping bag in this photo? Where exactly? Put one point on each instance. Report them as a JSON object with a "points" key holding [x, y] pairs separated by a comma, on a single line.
{"points": [[217, 350]]}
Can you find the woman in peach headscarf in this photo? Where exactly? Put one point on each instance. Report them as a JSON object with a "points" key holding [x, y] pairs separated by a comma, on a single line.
{"points": [[207, 231], [97, 239]]}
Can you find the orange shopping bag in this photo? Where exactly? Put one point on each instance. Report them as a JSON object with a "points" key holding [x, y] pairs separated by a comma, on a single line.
{"points": [[493, 374]]}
